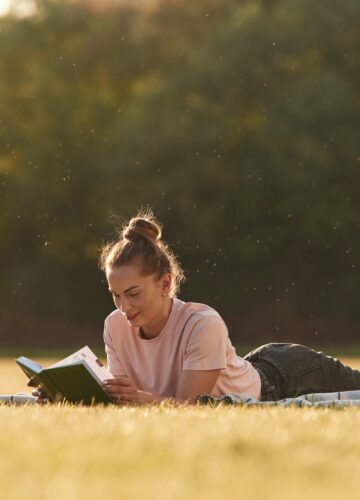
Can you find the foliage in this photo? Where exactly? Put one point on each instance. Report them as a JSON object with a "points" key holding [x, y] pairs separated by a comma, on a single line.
{"points": [[237, 121]]}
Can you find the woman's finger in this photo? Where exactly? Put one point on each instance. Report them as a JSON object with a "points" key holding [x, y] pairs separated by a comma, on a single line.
{"points": [[42, 401], [126, 398], [32, 382], [113, 389], [39, 393], [118, 381], [120, 390], [127, 390], [116, 386]]}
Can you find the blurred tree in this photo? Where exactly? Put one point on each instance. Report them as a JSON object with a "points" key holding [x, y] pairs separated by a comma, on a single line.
{"points": [[237, 121], [258, 134]]}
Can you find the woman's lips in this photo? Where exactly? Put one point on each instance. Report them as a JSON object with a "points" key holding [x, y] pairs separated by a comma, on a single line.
{"points": [[131, 318]]}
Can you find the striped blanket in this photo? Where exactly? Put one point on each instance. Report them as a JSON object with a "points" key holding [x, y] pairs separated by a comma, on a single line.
{"points": [[324, 399], [19, 398]]}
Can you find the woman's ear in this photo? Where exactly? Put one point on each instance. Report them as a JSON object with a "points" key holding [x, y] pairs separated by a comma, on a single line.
{"points": [[166, 284]]}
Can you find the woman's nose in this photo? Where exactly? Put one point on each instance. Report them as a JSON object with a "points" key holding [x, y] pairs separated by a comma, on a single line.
{"points": [[125, 306]]}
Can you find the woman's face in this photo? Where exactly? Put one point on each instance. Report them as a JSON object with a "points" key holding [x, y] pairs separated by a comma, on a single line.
{"points": [[142, 299]]}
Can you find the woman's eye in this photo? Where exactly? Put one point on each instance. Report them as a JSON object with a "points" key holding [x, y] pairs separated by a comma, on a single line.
{"points": [[116, 296]]}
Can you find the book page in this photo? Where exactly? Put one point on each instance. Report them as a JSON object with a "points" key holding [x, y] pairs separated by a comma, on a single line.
{"points": [[87, 356]]}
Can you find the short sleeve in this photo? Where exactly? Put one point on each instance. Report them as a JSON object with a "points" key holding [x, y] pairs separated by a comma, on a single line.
{"points": [[206, 348], [113, 362]]}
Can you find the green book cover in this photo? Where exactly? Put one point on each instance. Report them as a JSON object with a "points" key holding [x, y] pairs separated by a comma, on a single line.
{"points": [[76, 379]]}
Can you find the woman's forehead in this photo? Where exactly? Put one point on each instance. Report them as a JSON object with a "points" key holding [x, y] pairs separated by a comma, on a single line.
{"points": [[126, 275]]}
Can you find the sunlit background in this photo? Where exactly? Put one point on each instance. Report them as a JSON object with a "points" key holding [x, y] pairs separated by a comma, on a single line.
{"points": [[19, 7], [238, 122], [4, 6]]}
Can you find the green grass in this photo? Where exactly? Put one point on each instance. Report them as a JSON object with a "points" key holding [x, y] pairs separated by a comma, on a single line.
{"points": [[163, 452], [121, 453]]}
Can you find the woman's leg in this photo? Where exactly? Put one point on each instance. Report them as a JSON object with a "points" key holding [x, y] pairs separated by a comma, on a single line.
{"points": [[292, 370], [337, 376]]}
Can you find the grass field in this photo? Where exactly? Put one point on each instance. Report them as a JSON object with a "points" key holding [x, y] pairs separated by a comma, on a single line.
{"points": [[64, 452]]}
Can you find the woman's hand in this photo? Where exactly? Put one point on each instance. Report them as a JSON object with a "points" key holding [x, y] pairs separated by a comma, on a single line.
{"points": [[123, 391], [38, 392]]}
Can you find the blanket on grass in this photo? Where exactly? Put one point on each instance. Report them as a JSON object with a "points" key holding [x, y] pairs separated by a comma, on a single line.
{"points": [[19, 398], [323, 399]]}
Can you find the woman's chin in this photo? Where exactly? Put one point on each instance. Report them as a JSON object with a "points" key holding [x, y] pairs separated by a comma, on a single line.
{"points": [[136, 322]]}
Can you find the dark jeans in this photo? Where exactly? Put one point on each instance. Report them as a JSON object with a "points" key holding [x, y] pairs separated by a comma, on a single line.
{"points": [[290, 370]]}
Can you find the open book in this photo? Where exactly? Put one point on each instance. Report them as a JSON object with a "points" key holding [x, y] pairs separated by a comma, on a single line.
{"points": [[76, 379]]}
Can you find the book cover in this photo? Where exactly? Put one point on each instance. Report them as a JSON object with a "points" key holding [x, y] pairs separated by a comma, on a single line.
{"points": [[75, 379]]}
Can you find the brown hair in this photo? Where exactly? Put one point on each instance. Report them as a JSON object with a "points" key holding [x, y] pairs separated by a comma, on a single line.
{"points": [[140, 239]]}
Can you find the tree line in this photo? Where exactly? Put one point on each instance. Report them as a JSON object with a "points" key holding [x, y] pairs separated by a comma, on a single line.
{"points": [[238, 122]]}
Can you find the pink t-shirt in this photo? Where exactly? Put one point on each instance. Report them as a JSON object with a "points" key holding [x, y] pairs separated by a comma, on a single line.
{"points": [[194, 338]]}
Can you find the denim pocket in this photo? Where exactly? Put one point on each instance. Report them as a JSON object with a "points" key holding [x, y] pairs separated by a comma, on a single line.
{"points": [[293, 361]]}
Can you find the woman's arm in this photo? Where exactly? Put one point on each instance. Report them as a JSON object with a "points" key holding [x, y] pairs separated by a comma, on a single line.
{"points": [[195, 382], [192, 383]]}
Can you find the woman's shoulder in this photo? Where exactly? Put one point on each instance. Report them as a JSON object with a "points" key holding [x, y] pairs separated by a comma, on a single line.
{"points": [[195, 309], [114, 323], [116, 316], [200, 321]]}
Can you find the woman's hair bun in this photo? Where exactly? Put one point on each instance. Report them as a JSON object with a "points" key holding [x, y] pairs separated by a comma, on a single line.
{"points": [[143, 226], [141, 238]]}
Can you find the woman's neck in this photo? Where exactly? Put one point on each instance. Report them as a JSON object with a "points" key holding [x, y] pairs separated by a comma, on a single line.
{"points": [[154, 329]]}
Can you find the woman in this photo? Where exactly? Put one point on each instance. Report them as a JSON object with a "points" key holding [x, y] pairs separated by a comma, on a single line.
{"points": [[159, 347]]}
